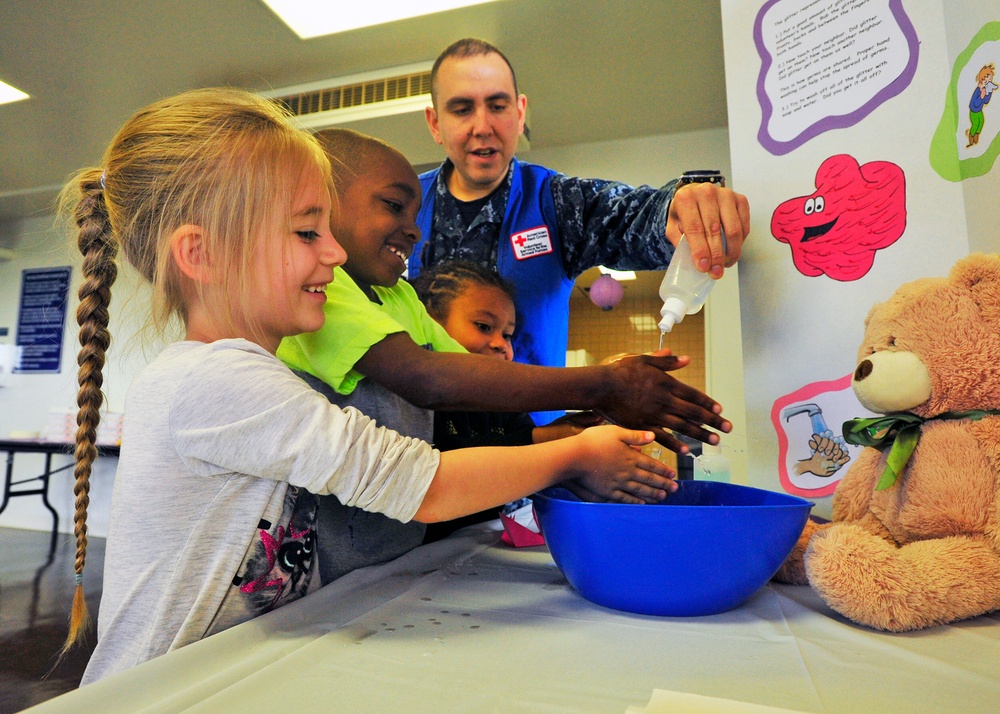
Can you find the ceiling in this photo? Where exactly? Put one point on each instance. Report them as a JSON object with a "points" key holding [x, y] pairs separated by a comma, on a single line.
{"points": [[592, 70]]}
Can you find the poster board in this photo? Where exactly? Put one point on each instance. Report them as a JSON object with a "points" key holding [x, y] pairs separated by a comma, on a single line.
{"points": [[848, 124]]}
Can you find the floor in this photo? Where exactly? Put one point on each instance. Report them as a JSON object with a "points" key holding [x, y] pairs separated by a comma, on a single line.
{"points": [[36, 592]]}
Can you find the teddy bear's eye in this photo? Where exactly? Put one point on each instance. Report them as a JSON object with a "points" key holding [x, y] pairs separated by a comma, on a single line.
{"points": [[892, 341]]}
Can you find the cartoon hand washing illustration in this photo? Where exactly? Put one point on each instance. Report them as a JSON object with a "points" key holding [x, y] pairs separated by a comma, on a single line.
{"points": [[828, 453]]}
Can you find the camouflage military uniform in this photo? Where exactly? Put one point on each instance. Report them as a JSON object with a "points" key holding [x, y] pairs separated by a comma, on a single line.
{"points": [[599, 222]]}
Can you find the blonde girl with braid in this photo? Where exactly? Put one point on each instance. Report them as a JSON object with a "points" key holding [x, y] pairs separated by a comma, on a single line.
{"points": [[223, 205]]}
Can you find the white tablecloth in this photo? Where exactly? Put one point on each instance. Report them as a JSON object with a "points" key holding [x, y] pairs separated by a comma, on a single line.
{"points": [[471, 625]]}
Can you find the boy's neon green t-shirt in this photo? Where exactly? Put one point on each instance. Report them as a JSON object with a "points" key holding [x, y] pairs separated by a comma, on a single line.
{"points": [[353, 324]]}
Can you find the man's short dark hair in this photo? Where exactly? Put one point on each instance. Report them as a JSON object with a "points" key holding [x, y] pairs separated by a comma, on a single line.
{"points": [[468, 47]]}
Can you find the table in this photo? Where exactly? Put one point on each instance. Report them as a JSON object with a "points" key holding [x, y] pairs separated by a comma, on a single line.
{"points": [[49, 448], [469, 624]]}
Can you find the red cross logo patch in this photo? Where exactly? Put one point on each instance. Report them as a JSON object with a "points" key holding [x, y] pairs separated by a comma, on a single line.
{"points": [[532, 242]]}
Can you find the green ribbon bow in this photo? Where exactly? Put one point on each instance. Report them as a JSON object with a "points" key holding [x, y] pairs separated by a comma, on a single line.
{"points": [[902, 431]]}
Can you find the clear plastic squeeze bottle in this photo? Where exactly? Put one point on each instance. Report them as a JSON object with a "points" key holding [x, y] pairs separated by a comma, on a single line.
{"points": [[684, 289]]}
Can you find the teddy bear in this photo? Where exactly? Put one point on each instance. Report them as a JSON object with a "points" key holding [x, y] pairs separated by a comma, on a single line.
{"points": [[914, 539]]}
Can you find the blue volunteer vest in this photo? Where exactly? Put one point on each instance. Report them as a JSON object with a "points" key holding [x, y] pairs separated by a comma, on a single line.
{"points": [[534, 265]]}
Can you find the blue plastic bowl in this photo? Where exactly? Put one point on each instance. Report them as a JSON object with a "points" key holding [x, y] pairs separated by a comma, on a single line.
{"points": [[704, 550]]}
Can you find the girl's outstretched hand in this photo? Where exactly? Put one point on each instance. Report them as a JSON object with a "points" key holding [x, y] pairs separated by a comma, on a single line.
{"points": [[612, 468], [643, 396]]}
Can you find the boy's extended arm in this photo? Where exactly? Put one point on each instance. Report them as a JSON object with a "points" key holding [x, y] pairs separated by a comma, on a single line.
{"points": [[634, 391]]}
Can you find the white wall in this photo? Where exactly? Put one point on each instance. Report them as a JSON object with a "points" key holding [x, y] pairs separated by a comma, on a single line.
{"points": [[26, 400], [25, 403]]}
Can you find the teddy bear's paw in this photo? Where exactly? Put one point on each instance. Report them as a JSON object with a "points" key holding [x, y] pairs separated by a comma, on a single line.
{"points": [[872, 582], [857, 574]]}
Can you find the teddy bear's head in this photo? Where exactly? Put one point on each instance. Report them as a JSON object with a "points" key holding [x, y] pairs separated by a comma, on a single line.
{"points": [[934, 345]]}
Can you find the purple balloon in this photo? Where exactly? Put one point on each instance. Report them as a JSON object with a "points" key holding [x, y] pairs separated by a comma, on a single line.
{"points": [[606, 292]]}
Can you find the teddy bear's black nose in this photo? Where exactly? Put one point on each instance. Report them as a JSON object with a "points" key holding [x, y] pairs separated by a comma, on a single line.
{"points": [[863, 370]]}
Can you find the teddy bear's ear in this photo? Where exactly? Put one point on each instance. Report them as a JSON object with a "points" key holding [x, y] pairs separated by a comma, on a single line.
{"points": [[979, 273], [871, 313]]}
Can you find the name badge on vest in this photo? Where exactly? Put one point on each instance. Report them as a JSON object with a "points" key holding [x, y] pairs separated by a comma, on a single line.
{"points": [[532, 242]]}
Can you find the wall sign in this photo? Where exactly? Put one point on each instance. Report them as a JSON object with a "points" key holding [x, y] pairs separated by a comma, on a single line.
{"points": [[41, 319], [828, 64]]}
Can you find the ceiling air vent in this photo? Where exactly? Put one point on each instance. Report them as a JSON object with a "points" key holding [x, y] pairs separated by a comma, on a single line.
{"points": [[356, 95], [363, 96]]}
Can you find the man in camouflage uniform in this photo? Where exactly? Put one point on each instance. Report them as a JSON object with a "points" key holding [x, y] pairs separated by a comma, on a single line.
{"points": [[538, 228]]}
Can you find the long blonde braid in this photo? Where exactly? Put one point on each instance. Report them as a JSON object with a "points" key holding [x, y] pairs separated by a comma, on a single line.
{"points": [[97, 244]]}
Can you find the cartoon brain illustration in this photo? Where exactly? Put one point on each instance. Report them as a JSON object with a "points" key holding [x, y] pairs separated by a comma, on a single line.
{"points": [[855, 211]]}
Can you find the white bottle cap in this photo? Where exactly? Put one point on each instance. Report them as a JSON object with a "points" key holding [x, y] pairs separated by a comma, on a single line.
{"points": [[673, 311], [667, 322]]}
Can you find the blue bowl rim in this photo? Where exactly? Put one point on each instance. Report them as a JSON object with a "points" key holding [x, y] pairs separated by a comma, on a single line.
{"points": [[793, 501]]}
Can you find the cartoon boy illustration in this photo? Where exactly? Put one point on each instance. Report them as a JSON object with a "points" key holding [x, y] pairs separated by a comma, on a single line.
{"points": [[981, 96]]}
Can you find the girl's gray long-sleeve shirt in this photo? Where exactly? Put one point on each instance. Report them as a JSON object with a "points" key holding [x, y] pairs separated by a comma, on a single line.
{"points": [[212, 518]]}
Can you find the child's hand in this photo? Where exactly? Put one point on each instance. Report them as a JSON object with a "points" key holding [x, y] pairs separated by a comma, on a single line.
{"points": [[568, 425], [612, 468], [643, 396]]}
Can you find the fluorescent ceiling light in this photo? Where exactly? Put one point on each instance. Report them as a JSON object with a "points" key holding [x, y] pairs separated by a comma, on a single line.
{"points": [[618, 275], [9, 94], [314, 18]]}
